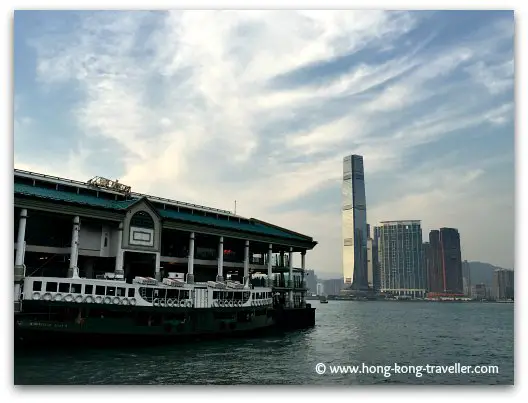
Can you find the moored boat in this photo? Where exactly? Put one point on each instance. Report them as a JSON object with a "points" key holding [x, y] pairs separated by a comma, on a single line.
{"points": [[79, 308]]}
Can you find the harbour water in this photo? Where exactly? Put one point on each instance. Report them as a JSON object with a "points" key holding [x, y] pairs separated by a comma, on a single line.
{"points": [[346, 333]]}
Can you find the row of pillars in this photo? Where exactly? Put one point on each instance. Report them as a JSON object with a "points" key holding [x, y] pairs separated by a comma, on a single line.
{"points": [[73, 270], [220, 274]]}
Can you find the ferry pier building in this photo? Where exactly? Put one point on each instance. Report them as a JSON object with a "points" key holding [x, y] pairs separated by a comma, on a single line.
{"points": [[100, 229]]}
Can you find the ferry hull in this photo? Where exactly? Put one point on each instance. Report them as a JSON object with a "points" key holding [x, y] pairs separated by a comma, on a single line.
{"points": [[38, 338], [102, 325]]}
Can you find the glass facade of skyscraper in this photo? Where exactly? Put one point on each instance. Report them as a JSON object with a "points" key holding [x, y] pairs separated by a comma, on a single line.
{"points": [[444, 262], [400, 255], [354, 223]]}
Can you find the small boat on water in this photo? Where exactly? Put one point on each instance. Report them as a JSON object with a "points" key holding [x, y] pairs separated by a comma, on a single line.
{"points": [[323, 299]]}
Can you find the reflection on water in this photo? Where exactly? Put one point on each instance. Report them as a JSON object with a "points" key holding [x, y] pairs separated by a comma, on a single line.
{"points": [[347, 333]]}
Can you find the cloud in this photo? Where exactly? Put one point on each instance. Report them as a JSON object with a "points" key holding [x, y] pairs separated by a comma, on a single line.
{"points": [[261, 107]]}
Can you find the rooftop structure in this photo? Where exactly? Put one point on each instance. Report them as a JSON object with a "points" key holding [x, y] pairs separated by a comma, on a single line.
{"points": [[110, 200]]}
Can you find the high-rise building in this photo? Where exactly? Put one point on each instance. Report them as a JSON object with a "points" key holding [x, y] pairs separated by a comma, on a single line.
{"points": [[333, 286], [311, 281], [503, 281], [445, 262], [400, 258], [320, 289], [373, 267], [426, 262], [354, 223], [376, 234], [466, 277], [435, 276]]}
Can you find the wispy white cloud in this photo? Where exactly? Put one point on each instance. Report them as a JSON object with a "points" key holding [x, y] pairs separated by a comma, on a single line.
{"points": [[262, 106]]}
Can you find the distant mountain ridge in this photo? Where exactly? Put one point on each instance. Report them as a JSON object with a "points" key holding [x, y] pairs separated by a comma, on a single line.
{"points": [[482, 273]]}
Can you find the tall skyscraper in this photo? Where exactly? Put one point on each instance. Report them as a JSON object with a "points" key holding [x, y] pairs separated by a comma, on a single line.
{"points": [[354, 223], [400, 256], [445, 269]]}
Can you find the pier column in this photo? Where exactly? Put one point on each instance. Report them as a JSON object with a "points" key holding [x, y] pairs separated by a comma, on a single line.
{"points": [[157, 274], [73, 271], [270, 265], [246, 264], [290, 282], [20, 269], [220, 275], [303, 268], [119, 254], [190, 262]]}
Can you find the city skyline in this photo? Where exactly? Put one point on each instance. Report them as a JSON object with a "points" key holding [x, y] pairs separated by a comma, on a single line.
{"points": [[213, 107]]}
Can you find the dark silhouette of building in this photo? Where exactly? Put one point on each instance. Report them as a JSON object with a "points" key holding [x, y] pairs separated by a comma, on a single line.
{"points": [[444, 261], [426, 256]]}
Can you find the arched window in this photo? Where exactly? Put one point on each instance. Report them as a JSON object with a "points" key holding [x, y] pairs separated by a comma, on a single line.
{"points": [[142, 219]]}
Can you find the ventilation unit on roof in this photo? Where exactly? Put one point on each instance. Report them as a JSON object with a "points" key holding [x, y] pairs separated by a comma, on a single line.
{"points": [[101, 182]]}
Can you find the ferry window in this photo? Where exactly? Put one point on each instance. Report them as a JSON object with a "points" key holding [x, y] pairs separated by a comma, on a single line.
{"points": [[51, 286], [105, 242], [131, 292], [148, 293], [159, 293], [252, 296], [88, 289], [99, 290], [215, 294], [185, 294], [172, 294], [76, 288], [64, 287], [120, 291], [37, 285], [110, 291]]}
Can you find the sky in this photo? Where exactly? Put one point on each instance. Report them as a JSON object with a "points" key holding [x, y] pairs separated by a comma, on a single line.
{"points": [[260, 107]]}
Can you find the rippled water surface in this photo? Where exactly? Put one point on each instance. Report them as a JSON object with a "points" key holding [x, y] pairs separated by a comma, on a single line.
{"points": [[346, 333]]}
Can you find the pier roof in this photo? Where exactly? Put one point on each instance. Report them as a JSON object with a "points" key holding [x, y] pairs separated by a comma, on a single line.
{"points": [[62, 191]]}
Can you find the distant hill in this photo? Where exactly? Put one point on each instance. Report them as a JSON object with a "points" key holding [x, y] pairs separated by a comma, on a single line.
{"points": [[482, 273]]}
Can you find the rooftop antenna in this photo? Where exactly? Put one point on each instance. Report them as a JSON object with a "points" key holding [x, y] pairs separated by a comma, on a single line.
{"points": [[235, 207]]}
